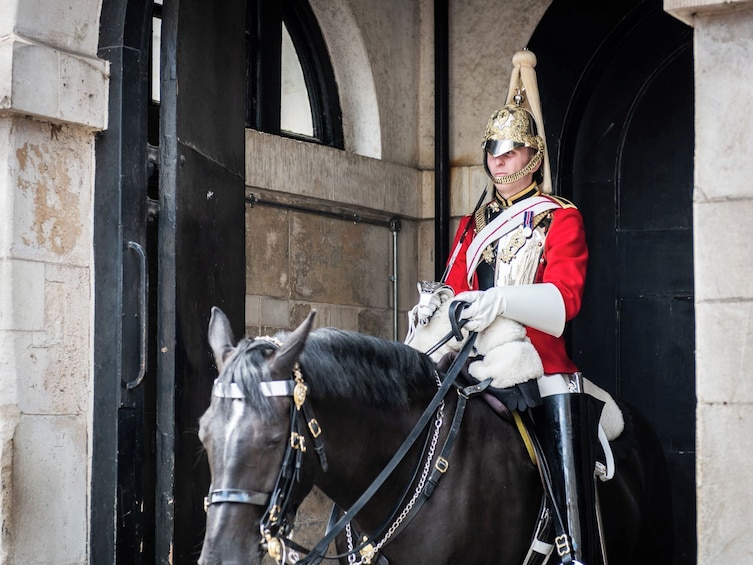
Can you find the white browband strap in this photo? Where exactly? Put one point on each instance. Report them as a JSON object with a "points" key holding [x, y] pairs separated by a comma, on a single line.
{"points": [[268, 388]]}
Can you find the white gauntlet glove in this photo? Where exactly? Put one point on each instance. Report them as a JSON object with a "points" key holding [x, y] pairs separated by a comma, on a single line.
{"points": [[485, 306], [539, 306], [431, 296]]}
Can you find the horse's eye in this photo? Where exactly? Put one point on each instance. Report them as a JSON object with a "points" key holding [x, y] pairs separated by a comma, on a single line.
{"points": [[274, 442]]}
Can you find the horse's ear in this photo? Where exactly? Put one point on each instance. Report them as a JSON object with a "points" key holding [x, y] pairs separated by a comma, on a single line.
{"points": [[285, 357], [220, 337]]}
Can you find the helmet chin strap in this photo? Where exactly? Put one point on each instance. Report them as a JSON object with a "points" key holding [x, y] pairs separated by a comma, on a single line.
{"points": [[528, 169]]}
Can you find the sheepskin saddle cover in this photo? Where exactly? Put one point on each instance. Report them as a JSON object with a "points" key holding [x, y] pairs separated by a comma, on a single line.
{"points": [[504, 354]]}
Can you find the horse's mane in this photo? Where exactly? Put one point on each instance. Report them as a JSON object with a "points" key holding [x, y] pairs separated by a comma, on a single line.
{"points": [[364, 368], [338, 364]]}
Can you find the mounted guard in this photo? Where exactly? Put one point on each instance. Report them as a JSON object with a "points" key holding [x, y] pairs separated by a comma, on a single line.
{"points": [[522, 256]]}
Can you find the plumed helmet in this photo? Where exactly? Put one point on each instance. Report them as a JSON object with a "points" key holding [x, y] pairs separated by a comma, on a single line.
{"points": [[511, 127], [519, 123]]}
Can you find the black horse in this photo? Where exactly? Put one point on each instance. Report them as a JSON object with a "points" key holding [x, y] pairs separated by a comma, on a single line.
{"points": [[365, 395]]}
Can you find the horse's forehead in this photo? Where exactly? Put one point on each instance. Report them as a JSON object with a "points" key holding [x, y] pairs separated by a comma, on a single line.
{"points": [[228, 417]]}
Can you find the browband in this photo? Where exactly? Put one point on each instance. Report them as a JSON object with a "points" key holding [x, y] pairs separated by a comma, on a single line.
{"points": [[267, 388]]}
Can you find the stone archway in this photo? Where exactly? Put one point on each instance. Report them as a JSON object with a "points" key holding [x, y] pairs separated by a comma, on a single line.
{"points": [[621, 133], [361, 125]]}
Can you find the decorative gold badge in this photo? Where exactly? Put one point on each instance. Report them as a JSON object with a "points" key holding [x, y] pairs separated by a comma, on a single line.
{"points": [[488, 254], [517, 240]]}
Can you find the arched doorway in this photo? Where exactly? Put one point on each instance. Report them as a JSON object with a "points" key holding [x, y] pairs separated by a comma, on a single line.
{"points": [[618, 104]]}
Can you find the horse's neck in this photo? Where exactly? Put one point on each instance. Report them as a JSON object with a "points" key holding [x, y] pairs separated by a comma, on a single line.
{"points": [[360, 441]]}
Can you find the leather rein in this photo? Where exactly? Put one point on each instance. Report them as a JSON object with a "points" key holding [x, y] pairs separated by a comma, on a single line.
{"points": [[274, 525]]}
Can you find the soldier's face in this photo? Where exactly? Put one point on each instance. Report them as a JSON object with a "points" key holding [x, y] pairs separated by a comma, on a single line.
{"points": [[509, 163]]}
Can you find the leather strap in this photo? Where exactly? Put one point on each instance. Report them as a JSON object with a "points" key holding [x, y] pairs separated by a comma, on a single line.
{"points": [[318, 552]]}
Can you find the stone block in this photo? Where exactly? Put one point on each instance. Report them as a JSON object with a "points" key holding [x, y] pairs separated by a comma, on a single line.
{"points": [[687, 10], [343, 317], [9, 417], [36, 94], [375, 322], [724, 352], [720, 259], [7, 185], [55, 374], [71, 25], [299, 312], [45, 336], [331, 176], [275, 312], [50, 490], [82, 96], [12, 348], [267, 251], [428, 190], [22, 295], [724, 484], [253, 310], [52, 182], [53, 85], [467, 188], [723, 51], [408, 256], [425, 247], [338, 262], [460, 195]]}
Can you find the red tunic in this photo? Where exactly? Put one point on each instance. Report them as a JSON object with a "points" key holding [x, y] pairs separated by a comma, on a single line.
{"points": [[563, 264]]}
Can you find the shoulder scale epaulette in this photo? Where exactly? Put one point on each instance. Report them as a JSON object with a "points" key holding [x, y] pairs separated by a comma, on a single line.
{"points": [[479, 219]]}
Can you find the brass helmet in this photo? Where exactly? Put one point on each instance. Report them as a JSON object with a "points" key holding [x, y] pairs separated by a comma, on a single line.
{"points": [[519, 123], [512, 127]]}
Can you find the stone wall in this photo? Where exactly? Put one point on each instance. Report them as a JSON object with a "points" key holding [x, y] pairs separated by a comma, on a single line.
{"points": [[722, 200], [45, 300], [53, 96], [298, 260]]}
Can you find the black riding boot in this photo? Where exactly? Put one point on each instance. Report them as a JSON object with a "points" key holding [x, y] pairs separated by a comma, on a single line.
{"points": [[567, 429]]}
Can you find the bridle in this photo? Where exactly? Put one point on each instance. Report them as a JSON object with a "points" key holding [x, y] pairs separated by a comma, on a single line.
{"points": [[274, 523], [275, 520]]}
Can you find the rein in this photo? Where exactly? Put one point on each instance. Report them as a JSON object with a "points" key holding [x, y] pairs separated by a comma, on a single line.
{"points": [[274, 521], [317, 553]]}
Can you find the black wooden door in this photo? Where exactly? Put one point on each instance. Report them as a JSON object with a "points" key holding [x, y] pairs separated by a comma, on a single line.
{"points": [[169, 244], [122, 491], [623, 142], [201, 245]]}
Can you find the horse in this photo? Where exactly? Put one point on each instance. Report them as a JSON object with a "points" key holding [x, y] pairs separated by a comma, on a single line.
{"points": [[360, 398]]}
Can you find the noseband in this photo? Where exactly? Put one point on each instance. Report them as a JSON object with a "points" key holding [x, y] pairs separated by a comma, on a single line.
{"points": [[274, 520]]}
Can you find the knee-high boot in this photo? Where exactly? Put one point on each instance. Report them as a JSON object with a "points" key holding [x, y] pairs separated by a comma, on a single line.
{"points": [[567, 429]]}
